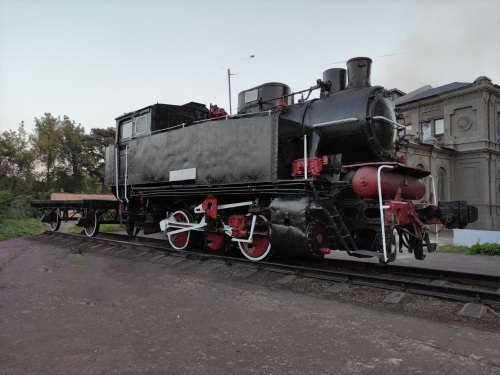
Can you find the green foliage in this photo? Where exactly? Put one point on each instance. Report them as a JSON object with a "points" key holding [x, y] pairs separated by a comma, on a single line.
{"points": [[72, 156], [485, 249], [5, 198], [46, 142], [57, 156], [16, 161], [72, 161], [452, 249], [20, 228], [17, 206], [95, 146], [103, 228], [111, 228]]}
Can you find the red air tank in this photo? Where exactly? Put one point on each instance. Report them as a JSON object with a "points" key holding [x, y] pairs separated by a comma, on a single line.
{"points": [[364, 184]]}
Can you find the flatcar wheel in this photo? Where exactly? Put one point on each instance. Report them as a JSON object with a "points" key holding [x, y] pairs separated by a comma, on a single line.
{"points": [[180, 240], [55, 221], [92, 225], [132, 228], [260, 247]]}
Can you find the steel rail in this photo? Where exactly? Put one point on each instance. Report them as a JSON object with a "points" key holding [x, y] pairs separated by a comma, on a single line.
{"points": [[415, 287], [359, 265], [413, 271]]}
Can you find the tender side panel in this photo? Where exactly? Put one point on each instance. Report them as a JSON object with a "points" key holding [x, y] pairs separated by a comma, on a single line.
{"points": [[225, 151]]}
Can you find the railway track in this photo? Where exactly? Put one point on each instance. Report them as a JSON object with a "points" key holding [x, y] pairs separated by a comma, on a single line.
{"points": [[427, 282]]}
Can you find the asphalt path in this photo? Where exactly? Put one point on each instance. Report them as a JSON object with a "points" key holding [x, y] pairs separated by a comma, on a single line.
{"points": [[67, 313]]}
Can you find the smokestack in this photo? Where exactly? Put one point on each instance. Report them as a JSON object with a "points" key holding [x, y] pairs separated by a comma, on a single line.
{"points": [[337, 78], [358, 72]]}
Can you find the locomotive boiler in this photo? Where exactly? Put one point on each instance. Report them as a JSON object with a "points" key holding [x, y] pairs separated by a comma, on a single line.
{"points": [[296, 178]]}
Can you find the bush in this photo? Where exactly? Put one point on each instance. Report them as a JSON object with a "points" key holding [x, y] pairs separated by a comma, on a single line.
{"points": [[485, 248], [17, 206], [5, 200], [20, 228]]}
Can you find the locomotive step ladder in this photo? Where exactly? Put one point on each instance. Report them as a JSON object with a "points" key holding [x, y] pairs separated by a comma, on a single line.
{"points": [[343, 234], [341, 231], [348, 242]]}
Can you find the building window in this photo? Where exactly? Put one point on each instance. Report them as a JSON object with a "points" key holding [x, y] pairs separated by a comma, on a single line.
{"points": [[441, 184], [431, 128], [425, 130], [439, 126]]}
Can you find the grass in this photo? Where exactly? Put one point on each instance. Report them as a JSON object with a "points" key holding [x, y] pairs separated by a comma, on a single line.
{"points": [[14, 228], [453, 249], [483, 249], [102, 228], [11, 228]]}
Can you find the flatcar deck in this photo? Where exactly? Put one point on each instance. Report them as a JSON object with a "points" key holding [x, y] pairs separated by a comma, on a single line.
{"points": [[76, 204]]}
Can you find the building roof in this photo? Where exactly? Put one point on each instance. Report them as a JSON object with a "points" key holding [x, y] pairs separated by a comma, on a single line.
{"points": [[431, 92]]}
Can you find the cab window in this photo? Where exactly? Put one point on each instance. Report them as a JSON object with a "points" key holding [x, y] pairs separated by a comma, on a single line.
{"points": [[126, 130], [141, 124]]}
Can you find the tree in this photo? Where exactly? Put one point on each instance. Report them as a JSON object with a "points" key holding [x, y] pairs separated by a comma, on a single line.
{"points": [[72, 155], [46, 142], [72, 161], [16, 160], [95, 146]]}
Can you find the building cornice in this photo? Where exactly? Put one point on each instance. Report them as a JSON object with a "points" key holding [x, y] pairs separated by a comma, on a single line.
{"points": [[423, 103], [481, 86], [471, 90], [476, 154]]}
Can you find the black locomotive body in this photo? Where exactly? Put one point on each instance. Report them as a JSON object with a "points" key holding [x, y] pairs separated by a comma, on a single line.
{"points": [[299, 178]]}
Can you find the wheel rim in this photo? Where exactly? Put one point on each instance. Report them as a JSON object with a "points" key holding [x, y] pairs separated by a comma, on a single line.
{"points": [[55, 221], [392, 244], [92, 226], [180, 240], [260, 247]]}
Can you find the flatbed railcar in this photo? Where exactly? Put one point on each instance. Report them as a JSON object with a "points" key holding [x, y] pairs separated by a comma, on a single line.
{"points": [[296, 178], [88, 213]]}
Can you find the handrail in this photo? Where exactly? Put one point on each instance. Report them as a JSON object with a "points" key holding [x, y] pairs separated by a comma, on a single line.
{"points": [[436, 232], [336, 122], [117, 180], [385, 119], [305, 157], [382, 208], [433, 190], [126, 173]]}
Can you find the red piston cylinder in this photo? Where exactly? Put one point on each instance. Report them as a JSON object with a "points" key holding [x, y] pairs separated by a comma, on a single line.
{"points": [[364, 184]]}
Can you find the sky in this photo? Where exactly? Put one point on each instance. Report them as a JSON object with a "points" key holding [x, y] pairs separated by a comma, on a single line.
{"points": [[93, 60]]}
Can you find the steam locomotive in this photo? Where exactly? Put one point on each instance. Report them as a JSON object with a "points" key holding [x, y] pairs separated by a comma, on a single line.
{"points": [[299, 179]]}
